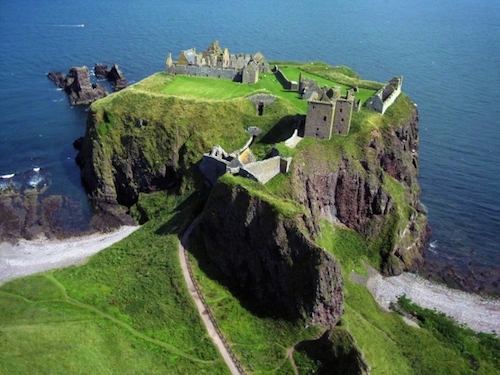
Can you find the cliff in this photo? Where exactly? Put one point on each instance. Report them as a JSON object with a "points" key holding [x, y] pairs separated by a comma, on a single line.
{"points": [[263, 238], [146, 138], [262, 246], [141, 139], [371, 188]]}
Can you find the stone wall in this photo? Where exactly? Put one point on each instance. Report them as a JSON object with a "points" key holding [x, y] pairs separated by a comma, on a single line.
{"points": [[319, 120], [285, 82], [342, 121], [205, 71], [386, 96], [262, 171]]}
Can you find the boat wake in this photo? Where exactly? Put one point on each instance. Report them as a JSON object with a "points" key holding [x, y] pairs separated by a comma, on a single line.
{"points": [[78, 25]]}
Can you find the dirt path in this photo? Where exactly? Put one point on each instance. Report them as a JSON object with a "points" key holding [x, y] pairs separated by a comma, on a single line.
{"points": [[203, 310], [30, 257]]}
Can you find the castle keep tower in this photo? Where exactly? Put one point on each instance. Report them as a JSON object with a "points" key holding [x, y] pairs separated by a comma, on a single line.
{"points": [[328, 112]]}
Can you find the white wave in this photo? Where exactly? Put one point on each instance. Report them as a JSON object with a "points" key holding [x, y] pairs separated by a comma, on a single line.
{"points": [[7, 176], [35, 180], [36, 169], [433, 246]]}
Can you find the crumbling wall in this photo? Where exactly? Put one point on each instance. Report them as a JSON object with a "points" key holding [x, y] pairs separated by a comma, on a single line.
{"points": [[319, 120], [263, 170], [285, 82], [386, 96], [205, 71], [343, 113]]}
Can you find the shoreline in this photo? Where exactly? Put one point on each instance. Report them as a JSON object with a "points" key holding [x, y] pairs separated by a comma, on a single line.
{"points": [[30, 257], [479, 313]]}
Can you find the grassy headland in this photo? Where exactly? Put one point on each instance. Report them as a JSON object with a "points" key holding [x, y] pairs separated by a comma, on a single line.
{"points": [[128, 311]]}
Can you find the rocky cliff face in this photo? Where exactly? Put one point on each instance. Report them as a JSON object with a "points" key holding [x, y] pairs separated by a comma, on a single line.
{"points": [[140, 140], [117, 179], [375, 194], [267, 255]]}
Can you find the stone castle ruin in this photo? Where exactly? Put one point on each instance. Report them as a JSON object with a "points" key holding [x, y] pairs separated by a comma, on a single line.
{"points": [[216, 62], [328, 112], [384, 97], [242, 162]]}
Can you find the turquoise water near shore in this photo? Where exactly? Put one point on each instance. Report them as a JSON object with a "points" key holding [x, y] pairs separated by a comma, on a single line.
{"points": [[448, 53]]}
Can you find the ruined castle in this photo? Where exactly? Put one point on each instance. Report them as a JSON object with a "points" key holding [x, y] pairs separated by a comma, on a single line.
{"points": [[219, 63], [328, 112], [384, 97], [242, 162]]}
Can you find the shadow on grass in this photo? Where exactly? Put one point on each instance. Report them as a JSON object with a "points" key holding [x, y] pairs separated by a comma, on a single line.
{"points": [[280, 132], [184, 213]]}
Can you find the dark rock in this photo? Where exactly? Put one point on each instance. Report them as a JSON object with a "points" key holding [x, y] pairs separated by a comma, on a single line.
{"points": [[101, 70], [79, 89], [78, 143], [270, 258], [115, 76], [57, 78], [132, 172], [337, 352], [353, 193], [28, 214]]}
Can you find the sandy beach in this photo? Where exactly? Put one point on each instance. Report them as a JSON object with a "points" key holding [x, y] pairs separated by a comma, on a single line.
{"points": [[30, 257]]}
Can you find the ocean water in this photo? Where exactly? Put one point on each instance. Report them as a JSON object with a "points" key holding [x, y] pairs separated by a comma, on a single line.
{"points": [[447, 51]]}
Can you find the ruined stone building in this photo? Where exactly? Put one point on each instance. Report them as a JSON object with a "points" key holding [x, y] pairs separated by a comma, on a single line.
{"points": [[219, 63], [328, 113], [242, 162], [384, 97]]}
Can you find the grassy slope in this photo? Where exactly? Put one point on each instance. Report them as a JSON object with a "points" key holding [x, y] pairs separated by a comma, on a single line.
{"points": [[389, 344], [127, 311]]}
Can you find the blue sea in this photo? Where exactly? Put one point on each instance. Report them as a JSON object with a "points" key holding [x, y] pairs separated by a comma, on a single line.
{"points": [[447, 51]]}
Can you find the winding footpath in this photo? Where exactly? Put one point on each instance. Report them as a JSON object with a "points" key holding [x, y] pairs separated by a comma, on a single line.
{"points": [[203, 309]]}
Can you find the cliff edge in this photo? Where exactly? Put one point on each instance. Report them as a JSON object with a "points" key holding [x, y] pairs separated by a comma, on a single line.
{"points": [[262, 247]]}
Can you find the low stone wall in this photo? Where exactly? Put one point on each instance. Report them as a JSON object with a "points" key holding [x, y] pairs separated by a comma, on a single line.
{"points": [[266, 99], [285, 82], [262, 171], [294, 139]]}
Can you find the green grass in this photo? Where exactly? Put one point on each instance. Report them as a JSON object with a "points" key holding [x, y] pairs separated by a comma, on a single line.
{"points": [[283, 207], [126, 311], [260, 343], [224, 89], [389, 344], [293, 73]]}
